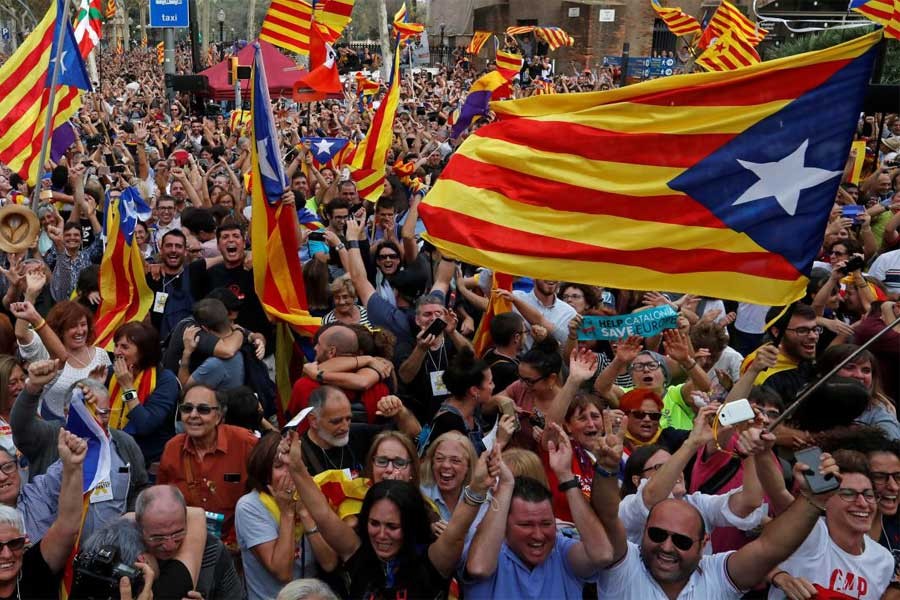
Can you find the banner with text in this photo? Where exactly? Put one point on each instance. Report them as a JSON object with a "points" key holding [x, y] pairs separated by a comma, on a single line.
{"points": [[645, 323]]}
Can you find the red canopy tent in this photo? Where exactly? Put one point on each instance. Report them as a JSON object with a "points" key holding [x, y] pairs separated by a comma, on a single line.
{"points": [[281, 73]]}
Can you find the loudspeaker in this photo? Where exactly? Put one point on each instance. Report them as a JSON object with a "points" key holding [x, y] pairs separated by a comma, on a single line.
{"points": [[187, 83]]}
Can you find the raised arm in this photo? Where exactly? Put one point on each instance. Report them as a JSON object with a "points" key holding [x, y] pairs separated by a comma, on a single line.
{"points": [[445, 552], [357, 268], [780, 538], [765, 359], [582, 365], [605, 486], [626, 351], [57, 543], [485, 548], [336, 532]]}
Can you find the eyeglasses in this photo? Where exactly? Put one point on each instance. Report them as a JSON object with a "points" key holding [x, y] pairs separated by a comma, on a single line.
{"points": [[658, 535], [801, 331], [645, 366], [837, 253], [9, 467], [848, 495], [14, 544], [102, 412], [640, 415], [388, 256], [772, 413], [532, 380], [880, 477], [573, 296], [383, 461], [202, 409], [654, 468], [159, 539]]}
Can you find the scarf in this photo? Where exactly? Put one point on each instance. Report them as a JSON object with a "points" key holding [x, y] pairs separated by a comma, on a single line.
{"points": [[636, 443], [144, 384], [268, 500]]}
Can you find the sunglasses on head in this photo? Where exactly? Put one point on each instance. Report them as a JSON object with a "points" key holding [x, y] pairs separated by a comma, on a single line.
{"points": [[14, 544], [202, 409], [640, 415], [679, 540]]}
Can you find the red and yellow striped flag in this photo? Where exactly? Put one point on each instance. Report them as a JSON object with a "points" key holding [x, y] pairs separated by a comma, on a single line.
{"points": [[729, 52], [403, 27], [124, 293], [287, 25], [161, 52], [678, 22], [333, 16], [370, 157], [111, 9], [885, 12], [274, 228], [479, 38], [732, 201], [25, 96], [508, 63], [553, 36], [728, 17], [496, 305]]}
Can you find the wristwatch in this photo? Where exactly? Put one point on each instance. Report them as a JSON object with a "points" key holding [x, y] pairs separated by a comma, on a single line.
{"points": [[570, 484], [340, 247], [129, 395]]}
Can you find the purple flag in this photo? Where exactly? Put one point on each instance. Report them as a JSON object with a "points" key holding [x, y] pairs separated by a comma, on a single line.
{"points": [[62, 138]]}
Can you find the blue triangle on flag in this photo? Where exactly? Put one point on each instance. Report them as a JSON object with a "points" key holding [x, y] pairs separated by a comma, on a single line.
{"points": [[324, 148], [73, 71]]}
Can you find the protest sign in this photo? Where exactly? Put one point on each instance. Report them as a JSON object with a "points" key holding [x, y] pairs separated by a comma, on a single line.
{"points": [[645, 323]]}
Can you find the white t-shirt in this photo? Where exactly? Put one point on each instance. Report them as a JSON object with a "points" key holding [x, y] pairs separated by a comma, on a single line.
{"points": [[819, 560], [559, 314], [629, 579], [751, 318], [713, 508], [886, 269]]}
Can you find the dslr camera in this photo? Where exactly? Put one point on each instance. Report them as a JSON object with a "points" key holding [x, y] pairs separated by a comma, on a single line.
{"points": [[97, 575]]}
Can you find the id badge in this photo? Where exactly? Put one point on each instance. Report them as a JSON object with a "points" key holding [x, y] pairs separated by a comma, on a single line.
{"points": [[437, 384], [102, 492], [159, 302]]}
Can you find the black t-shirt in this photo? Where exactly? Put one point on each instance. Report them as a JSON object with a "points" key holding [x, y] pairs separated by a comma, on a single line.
{"points": [[239, 281], [419, 580], [449, 419], [419, 395], [788, 383], [174, 581], [351, 456], [37, 582], [504, 369]]}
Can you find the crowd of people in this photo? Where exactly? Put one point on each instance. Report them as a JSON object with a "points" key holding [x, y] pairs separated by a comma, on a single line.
{"points": [[541, 466]]}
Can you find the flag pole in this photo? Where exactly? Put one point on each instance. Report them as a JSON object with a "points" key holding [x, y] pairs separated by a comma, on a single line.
{"points": [[51, 112]]}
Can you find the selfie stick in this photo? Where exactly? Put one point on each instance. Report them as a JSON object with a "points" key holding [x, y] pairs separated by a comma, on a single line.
{"points": [[805, 393]]}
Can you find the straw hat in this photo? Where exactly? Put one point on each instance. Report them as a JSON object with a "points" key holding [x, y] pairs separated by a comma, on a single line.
{"points": [[19, 228]]}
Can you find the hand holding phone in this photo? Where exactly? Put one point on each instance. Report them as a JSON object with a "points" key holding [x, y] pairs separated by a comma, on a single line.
{"points": [[437, 327], [818, 483]]}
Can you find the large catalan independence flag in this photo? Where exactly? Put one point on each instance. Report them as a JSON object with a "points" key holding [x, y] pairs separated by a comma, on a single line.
{"points": [[287, 25], [124, 293], [717, 184], [274, 228]]}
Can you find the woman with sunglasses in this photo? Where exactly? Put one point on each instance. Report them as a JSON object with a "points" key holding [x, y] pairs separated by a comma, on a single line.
{"points": [[643, 407], [652, 474]]}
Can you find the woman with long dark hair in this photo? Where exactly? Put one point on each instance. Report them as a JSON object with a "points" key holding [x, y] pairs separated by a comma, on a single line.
{"points": [[392, 552]]}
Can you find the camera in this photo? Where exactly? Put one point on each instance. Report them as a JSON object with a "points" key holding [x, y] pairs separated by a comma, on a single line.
{"points": [[97, 575], [854, 264]]}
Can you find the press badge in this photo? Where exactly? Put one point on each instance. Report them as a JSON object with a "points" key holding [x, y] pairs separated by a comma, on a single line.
{"points": [[102, 492], [437, 383], [159, 302]]}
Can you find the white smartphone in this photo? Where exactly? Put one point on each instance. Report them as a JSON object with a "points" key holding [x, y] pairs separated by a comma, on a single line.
{"points": [[736, 412]]}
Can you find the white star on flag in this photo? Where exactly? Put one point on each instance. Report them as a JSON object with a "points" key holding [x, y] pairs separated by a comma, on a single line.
{"points": [[265, 166], [323, 147], [62, 62], [784, 179]]}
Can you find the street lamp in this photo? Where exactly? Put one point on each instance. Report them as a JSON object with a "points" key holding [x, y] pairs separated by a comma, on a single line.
{"points": [[221, 17], [443, 26]]}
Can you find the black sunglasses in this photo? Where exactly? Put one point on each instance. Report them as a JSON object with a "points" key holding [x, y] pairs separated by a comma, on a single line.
{"points": [[14, 544], [640, 415], [679, 540], [202, 409]]}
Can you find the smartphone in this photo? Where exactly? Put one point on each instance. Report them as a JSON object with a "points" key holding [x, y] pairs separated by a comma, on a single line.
{"points": [[436, 328], [317, 236], [812, 458], [117, 169], [736, 412], [508, 407], [852, 211]]}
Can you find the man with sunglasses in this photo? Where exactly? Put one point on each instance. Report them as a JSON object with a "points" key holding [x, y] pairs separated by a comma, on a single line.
{"points": [[669, 562], [838, 556], [36, 572], [208, 462]]}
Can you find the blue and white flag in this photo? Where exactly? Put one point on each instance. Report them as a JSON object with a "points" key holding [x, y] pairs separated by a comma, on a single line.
{"points": [[82, 422], [324, 148]]}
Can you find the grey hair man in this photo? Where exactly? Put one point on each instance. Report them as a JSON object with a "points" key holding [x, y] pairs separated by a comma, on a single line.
{"points": [[306, 589], [175, 536]]}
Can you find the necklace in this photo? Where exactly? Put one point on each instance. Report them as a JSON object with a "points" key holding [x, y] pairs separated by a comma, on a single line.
{"points": [[331, 462], [78, 362]]}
